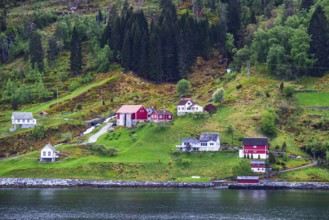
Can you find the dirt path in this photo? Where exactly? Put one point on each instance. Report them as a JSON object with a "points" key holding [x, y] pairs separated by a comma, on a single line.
{"points": [[93, 138], [314, 163]]}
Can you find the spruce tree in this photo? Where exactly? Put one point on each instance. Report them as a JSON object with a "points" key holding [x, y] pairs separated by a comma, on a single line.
{"points": [[52, 51], [76, 55], [126, 53], [234, 23], [306, 4], [319, 32], [36, 52]]}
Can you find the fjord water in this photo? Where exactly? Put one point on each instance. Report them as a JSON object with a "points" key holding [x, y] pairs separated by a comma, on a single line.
{"points": [[162, 204]]}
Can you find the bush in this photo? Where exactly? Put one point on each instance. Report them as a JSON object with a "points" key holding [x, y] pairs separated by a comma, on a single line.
{"points": [[288, 91], [218, 95], [268, 123], [66, 136], [74, 85], [242, 169], [210, 108], [183, 87], [186, 162], [38, 133]]}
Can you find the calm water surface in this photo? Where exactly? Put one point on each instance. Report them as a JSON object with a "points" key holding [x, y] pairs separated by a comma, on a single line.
{"points": [[162, 204]]}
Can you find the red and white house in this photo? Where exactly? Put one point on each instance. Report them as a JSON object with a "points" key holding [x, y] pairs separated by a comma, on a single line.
{"points": [[129, 115], [258, 166], [247, 179], [161, 116], [254, 148]]}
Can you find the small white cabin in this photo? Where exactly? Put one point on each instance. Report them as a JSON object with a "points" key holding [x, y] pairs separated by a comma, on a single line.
{"points": [[48, 154]]}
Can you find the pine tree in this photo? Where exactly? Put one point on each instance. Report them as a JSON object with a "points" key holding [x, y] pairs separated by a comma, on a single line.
{"points": [[36, 52], [99, 17], [234, 23], [126, 52], [52, 51], [319, 32], [306, 4], [143, 67], [106, 36], [76, 55]]}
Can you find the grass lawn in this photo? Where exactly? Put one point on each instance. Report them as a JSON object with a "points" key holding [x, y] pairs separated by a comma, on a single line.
{"points": [[313, 99], [291, 147], [146, 153], [312, 174]]}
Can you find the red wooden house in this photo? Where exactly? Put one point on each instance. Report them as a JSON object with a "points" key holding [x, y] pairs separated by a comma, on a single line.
{"points": [[258, 166], [247, 179], [129, 115], [161, 116], [254, 148]]}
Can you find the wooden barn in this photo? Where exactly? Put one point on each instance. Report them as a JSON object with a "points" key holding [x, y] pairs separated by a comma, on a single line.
{"points": [[129, 115]]}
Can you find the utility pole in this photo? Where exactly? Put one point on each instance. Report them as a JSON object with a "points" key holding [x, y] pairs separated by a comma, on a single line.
{"points": [[57, 96], [248, 69]]}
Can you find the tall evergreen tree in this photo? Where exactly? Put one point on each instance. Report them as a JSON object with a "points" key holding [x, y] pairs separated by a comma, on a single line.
{"points": [[36, 52], [233, 21], [76, 54], [306, 4], [126, 52], [319, 32], [52, 51]]}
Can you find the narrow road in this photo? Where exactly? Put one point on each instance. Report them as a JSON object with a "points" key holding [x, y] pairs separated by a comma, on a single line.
{"points": [[93, 138], [314, 163]]}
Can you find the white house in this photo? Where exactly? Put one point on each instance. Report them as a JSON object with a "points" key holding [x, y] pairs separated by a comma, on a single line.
{"points": [[23, 120], [186, 105], [48, 154], [206, 142]]}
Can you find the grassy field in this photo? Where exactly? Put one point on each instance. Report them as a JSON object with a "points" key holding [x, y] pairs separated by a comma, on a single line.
{"points": [[313, 174], [313, 99], [137, 158]]}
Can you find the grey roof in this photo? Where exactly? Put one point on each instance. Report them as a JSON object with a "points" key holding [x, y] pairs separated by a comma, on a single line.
{"points": [[162, 112], [184, 101], [209, 137], [191, 140], [22, 115], [257, 162], [248, 177], [255, 141], [51, 147]]}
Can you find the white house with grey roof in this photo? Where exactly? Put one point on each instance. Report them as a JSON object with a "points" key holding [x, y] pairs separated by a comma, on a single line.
{"points": [[206, 142], [23, 120], [48, 154], [186, 105]]}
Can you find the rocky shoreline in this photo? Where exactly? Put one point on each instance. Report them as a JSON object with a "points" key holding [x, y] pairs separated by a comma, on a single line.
{"points": [[78, 183]]}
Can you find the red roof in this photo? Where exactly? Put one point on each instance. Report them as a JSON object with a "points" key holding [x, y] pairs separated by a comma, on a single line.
{"points": [[129, 108]]}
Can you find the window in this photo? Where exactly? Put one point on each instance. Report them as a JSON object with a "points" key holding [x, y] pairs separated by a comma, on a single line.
{"points": [[169, 116], [211, 144], [255, 151], [254, 146], [44, 153], [246, 151], [203, 144], [49, 153], [160, 116]]}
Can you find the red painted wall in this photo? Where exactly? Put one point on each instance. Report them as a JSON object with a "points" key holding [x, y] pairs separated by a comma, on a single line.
{"points": [[141, 114], [248, 181], [258, 149]]}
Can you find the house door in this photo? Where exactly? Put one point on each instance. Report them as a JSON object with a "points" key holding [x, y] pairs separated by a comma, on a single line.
{"points": [[128, 120]]}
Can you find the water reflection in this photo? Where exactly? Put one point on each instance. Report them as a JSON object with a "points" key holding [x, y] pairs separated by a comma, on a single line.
{"points": [[161, 204]]}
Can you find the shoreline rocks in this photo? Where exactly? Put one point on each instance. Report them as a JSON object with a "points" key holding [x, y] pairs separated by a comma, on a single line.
{"points": [[79, 183]]}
